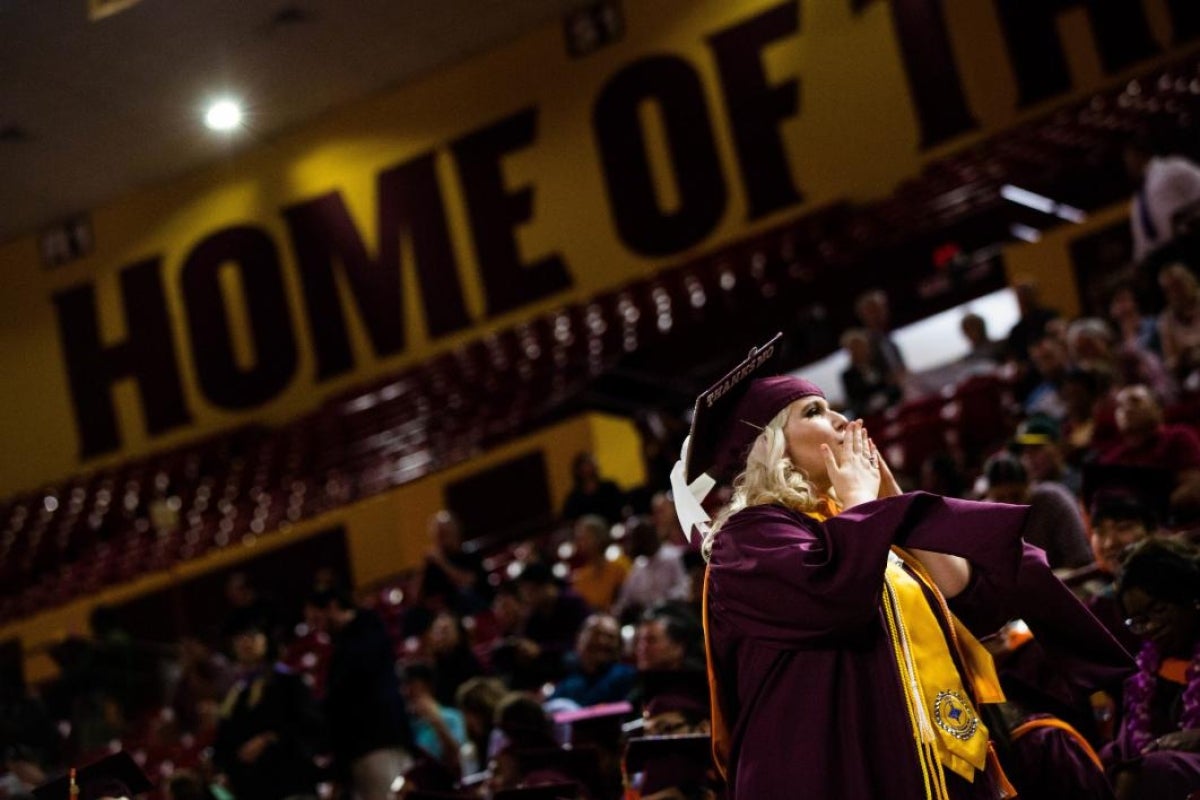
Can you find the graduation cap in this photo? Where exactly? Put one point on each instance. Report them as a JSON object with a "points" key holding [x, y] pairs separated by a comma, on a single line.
{"points": [[682, 762], [559, 765], [1151, 485], [730, 414], [598, 725], [117, 775], [548, 791], [684, 691]]}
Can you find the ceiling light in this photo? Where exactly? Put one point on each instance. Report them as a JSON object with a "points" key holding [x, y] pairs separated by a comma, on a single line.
{"points": [[224, 115]]}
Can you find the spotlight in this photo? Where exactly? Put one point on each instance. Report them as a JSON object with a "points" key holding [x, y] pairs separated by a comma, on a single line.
{"points": [[224, 115]]}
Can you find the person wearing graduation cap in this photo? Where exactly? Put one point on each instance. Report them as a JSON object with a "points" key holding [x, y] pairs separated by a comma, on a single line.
{"points": [[837, 609], [115, 777], [672, 768]]}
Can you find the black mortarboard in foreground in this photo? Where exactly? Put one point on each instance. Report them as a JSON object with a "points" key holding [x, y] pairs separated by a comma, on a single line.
{"points": [[683, 762], [549, 791], [730, 414], [117, 775]]}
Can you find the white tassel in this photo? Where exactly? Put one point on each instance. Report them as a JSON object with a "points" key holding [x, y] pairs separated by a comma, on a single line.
{"points": [[688, 498]]}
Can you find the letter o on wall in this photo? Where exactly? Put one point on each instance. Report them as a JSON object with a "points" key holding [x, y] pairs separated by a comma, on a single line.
{"points": [[674, 86], [224, 382]]}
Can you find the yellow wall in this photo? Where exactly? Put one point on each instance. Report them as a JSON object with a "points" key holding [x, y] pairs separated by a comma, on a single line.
{"points": [[385, 534], [855, 136]]}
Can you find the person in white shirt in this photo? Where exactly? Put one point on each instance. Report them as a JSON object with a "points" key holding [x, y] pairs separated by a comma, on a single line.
{"points": [[1169, 187], [658, 573]]}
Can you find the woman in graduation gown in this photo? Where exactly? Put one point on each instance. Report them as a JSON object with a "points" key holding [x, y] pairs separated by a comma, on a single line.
{"points": [[839, 612]]}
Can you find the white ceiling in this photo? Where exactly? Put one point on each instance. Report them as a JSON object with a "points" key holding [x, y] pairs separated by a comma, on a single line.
{"points": [[92, 110]]}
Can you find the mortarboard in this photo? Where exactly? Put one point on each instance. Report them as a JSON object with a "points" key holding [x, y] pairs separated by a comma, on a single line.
{"points": [[685, 691], [1151, 485], [729, 415], [117, 775], [670, 761], [727, 418], [598, 725], [559, 765], [548, 791]]}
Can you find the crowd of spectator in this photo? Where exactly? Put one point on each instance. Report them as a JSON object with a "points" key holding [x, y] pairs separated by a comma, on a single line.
{"points": [[565, 666]]}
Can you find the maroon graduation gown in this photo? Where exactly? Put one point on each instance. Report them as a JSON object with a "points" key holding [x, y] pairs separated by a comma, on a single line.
{"points": [[808, 679]]}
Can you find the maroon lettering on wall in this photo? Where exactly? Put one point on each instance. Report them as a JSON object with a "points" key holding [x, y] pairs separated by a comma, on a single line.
{"points": [[931, 70], [1119, 27], [325, 239], [495, 211], [756, 108], [228, 385], [673, 86], [147, 354]]}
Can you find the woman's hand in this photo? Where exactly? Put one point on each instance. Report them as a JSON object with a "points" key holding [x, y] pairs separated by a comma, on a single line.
{"points": [[854, 469], [888, 486]]}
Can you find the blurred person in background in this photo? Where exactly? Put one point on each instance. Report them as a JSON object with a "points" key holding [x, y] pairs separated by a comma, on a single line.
{"points": [[1037, 443], [1156, 755], [1168, 188], [597, 578], [1120, 520], [983, 350], [596, 674], [437, 729], [452, 578], [368, 723], [553, 617], [1064, 536], [1031, 326], [271, 728], [444, 643], [657, 574], [1179, 322], [477, 699], [1147, 441], [1134, 329], [1048, 356], [669, 637], [592, 494], [869, 388], [875, 314]]}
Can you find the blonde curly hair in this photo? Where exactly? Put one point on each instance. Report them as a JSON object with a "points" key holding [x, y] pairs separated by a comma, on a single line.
{"points": [[770, 477]]}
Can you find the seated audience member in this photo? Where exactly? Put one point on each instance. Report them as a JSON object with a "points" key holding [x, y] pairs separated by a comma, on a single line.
{"points": [[1146, 441], [675, 702], [657, 572], [669, 637], [270, 727], [673, 768], [1038, 443], [519, 724], [592, 494], [1120, 520], [984, 351], [553, 618], [666, 523], [598, 578], [1031, 326], [1179, 322], [597, 674], [869, 388], [477, 699], [1135, 330], [1157, 752], [445, 642], [599, 730], [452, 578], [1091, 345], [1088, 423], [1064, 537], [437, 729], [1048, 356]]}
